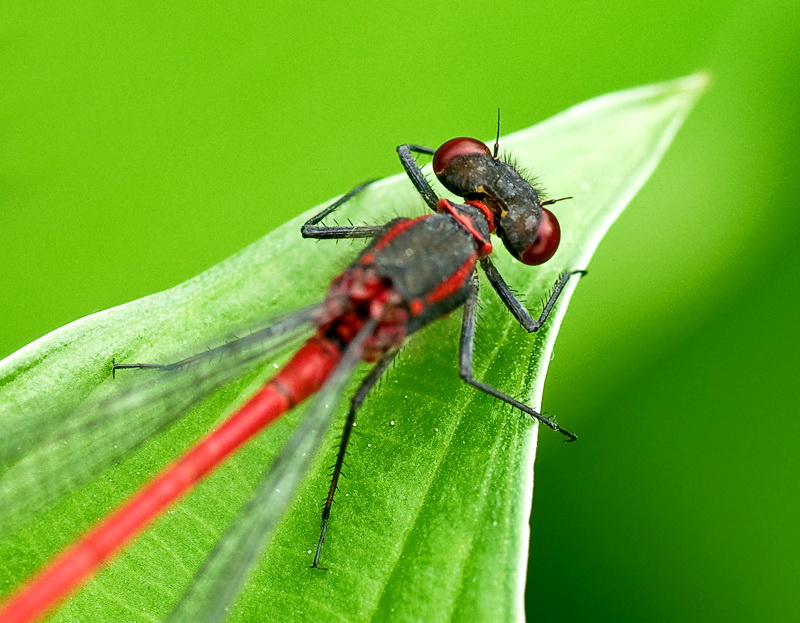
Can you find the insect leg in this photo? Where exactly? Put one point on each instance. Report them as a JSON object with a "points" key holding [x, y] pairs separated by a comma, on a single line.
{"points": [[278, 327], [465, 352], [513, 304], [355, 403], [311, 230], [415, 172]]}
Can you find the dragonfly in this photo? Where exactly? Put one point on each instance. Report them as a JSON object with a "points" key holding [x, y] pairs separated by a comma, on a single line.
{"points": [[411, 273]]}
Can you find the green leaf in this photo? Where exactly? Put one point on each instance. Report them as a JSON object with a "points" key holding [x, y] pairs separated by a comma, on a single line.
{"points": [[431, 518]]}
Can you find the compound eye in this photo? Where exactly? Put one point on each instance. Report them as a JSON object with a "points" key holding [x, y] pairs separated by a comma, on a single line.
{"points": [[546, 243], [454, 148]]}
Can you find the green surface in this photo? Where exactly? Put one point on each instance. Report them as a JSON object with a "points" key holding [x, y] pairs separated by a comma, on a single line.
{"points": [[143, 144], [445, 493]]}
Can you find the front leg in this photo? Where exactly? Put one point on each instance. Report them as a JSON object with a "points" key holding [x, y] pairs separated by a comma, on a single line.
{"points": [[513, 304], [415, 172], [465, 351], [311, 230]]}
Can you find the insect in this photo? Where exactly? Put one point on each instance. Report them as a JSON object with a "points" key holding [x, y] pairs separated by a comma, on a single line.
{"points": [[414, 271]]}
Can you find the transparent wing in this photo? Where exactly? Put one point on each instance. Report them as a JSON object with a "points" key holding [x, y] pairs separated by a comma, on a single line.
{"points": [[47, 455], [218, 582]]}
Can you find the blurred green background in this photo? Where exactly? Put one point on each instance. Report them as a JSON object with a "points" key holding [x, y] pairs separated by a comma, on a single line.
{"points": [[142, 143]]}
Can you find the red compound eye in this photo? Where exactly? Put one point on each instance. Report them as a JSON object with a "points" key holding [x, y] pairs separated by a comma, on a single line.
{"points": [[546, 243], [457, 147]]}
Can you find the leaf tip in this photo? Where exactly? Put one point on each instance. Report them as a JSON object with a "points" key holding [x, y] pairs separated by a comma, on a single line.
{"points": [[696, 83]]}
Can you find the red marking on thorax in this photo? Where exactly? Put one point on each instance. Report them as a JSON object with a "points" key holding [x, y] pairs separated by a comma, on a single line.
{"points": [[452, 284], [396, 230], [416, 307], [486, 212], [485, 247]]}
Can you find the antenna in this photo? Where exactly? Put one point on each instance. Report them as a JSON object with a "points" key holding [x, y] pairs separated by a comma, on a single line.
{"points": [[497, 138], [550, 202]]}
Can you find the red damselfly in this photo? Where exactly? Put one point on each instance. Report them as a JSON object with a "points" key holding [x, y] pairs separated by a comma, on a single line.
{"points": [[414, 271]]}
